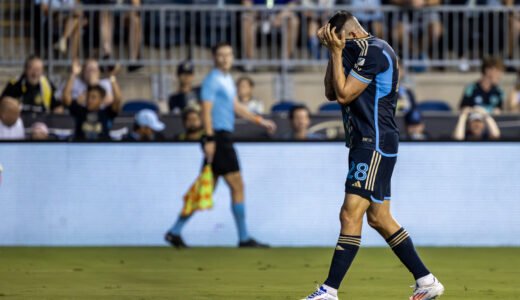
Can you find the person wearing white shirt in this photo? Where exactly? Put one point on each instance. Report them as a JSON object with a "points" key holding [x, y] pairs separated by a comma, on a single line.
{"points": [[245, 86], [90, 76], [11, 125]]}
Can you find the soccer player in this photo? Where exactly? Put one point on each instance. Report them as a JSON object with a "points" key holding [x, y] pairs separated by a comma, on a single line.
{"points": [[219, 105], [362, 75]]}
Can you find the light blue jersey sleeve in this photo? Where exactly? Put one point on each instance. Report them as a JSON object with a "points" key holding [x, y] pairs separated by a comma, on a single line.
{"points": [[208, 90]]}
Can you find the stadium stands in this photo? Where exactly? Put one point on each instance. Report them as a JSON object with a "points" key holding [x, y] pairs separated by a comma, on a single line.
{"points": [[173, 33]]}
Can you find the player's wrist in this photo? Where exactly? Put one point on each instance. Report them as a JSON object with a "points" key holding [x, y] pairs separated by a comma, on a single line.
{"points": [[258, 120], [335, 51], [208, 138]]}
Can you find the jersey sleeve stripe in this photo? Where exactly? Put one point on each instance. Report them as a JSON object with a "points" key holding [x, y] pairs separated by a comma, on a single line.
{"points": [[359, 77]]}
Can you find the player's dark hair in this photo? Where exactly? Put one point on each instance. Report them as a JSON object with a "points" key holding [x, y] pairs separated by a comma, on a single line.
{"points": [[246, 78], [29, 60], [492, 62], [97, 88], [187, 111], [297, 107], [339, 19], [218, 46]]}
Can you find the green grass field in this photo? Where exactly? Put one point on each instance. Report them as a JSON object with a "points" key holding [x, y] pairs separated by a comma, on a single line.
{"points": [[223, 273]]}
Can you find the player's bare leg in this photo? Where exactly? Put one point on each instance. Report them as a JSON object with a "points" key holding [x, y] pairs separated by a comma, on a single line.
{"points": [[380, 218], [236, 185], [351, 218], [352, 212]]}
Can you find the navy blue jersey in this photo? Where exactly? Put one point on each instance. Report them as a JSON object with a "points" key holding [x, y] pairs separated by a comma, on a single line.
{"points": [[369, 119]]}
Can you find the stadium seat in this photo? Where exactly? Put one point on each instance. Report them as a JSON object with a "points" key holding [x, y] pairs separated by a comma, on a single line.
{"points": [[283, 106], [134, 106], [433, 105], [330, 107]]}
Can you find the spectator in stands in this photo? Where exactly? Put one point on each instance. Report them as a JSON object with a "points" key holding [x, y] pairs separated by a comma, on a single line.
{"points": [[34, 91], [415, 126], [192, 126], [412, 11], [299, 116], [486, 92], [187, 96], [245, 86], [39, 132], [405, 96], [284, 19], [372, 20], [92, 122], [91, 76], [514, 28], [146, 126], [71, 24], [134, 31], [11, 125], [314, 21], [475, 124], [514, 98]]}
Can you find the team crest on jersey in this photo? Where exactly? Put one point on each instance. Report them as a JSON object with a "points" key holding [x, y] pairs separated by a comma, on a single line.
{"points": [[360, 61]]}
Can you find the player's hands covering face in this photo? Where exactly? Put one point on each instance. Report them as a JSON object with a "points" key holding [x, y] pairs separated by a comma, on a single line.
{"points": [[331, 40], [321, 36]]}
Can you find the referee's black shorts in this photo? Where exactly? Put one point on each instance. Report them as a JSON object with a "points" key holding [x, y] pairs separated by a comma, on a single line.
{"points": [[225, 160]]}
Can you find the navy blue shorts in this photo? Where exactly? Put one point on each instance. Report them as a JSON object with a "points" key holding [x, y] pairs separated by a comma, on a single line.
{"points": [[369, 174]]}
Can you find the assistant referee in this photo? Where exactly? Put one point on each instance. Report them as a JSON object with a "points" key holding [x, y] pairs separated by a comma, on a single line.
{"points": [[219, 105]]}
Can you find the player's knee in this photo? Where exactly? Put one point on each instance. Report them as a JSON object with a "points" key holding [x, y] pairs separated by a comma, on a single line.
{"points": [[377, 221], [348, 217], [237, 185], [374, 222]]}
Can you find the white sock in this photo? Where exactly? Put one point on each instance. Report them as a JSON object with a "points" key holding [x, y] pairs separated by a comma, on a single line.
{"points": [[426, 280], [332, 291]]}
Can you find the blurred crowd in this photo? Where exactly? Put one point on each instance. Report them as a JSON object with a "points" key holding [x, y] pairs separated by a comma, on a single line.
{"points": [[411, 23], [93, 99]]}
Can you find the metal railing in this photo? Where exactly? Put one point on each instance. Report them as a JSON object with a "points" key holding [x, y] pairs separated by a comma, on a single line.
{"points": [[164, 35]]}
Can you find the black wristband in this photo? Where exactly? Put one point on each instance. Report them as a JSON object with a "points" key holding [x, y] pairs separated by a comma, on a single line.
{"points": [[208, 138]]}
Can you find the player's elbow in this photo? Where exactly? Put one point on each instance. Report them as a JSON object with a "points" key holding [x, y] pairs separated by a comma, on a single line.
{"points": [[344, 99], [330, 96]]}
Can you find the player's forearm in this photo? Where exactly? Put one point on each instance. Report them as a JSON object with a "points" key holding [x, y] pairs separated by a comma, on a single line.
{"points": [[243, 112], [329, 88], [338, 78], [206, 119]]}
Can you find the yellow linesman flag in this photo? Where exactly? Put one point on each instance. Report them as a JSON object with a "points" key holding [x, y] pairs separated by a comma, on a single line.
{"points": [[200, 194]]}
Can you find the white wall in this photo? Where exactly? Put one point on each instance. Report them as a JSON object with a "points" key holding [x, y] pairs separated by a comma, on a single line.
{"points": [[130, 194]]}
